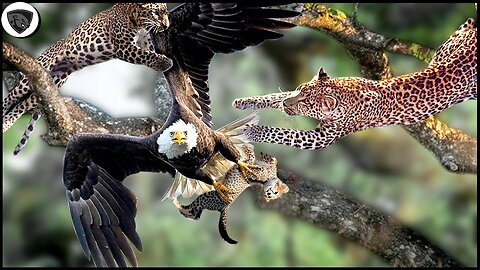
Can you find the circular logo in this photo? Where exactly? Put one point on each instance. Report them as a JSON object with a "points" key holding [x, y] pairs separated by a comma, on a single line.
{"points": [[20, 19]]}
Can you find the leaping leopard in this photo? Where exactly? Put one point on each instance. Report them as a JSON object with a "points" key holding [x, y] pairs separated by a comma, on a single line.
{"points": [[350, 104], [122, 31]]}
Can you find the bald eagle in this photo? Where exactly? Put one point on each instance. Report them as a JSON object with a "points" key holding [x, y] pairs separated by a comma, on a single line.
{"points": [[101, 207]]}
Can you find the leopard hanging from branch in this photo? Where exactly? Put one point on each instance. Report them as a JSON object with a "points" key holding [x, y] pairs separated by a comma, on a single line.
{"points": [[350, 104], [273, 188], [122, 31]]}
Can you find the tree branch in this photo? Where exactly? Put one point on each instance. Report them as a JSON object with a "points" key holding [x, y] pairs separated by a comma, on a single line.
{"points": [[66, 116], [456, 153], [328, 209], [56, 113]]}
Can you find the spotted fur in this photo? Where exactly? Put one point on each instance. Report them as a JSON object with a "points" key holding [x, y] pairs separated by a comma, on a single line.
{"points": [[350, 104], [121, 31], [274, 188]]}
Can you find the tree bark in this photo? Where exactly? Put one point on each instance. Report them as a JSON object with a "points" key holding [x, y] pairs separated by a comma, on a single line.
{"points": [[328, 209]]}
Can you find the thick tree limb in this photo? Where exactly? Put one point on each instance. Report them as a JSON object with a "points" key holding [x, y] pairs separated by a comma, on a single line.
{"points": [[66, 116], [455, 150], [57, 116], [328, 209], [455, 153]]}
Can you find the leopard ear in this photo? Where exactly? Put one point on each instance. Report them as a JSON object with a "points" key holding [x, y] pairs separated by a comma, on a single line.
{"points": [[284, 188], [328, 103], [321, 75], [274, 160], [132, 12]]}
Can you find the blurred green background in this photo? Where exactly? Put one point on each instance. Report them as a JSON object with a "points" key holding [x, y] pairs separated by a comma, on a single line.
{"points": [[383, 167]]}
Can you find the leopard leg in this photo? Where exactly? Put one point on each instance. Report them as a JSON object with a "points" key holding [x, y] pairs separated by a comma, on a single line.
{"points": [[15, 96], [223, 191], [303, 139], [244, 168], [270, 101], [13, 115], [59, 80], [154, 60]]}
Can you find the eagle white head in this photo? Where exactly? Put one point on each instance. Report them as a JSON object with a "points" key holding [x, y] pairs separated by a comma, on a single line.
{"points": [[178, 139]]}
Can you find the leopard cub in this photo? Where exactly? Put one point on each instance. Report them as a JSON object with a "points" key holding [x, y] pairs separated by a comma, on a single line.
{"points": [[273, 188]]}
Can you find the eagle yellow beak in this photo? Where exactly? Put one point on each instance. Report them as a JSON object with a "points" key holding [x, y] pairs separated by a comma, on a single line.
{"points": [[179, 137]]}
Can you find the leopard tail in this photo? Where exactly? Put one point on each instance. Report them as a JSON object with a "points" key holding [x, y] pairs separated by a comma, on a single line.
{"points": [[28, 131], [222, 227]]}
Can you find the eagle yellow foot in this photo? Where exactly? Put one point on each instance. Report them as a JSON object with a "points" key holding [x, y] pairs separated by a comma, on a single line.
{"points": [[244, 168], [223, 191]]}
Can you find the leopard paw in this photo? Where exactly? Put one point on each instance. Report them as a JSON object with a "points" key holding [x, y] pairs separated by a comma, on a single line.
{"points": [[253, 132], [240, 103], [163, 63], [167, 64], [247, 103]]}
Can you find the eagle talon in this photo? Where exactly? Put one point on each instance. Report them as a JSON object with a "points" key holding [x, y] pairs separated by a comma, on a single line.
{"points": [[223, 191], [244, 168]]}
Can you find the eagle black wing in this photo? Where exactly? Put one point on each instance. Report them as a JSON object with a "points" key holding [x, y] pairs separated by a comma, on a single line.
{"points": [[102, 208], [203, 29]]}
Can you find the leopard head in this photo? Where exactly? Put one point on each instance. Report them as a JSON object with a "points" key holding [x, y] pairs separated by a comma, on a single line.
{"points": [[315, 99], [150, 16], [273, 189]]}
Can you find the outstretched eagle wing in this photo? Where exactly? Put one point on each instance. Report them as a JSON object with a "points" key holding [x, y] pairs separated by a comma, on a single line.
{"points": [[103, 210], [203, 29]]}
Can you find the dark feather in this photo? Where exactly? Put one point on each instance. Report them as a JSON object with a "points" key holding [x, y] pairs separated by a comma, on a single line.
{"points": [[103, 210], [221, 28]]}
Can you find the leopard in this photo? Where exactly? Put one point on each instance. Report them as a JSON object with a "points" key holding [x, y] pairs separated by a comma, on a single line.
{"points": [[121, 32], [349, 104], [266, 175]]}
